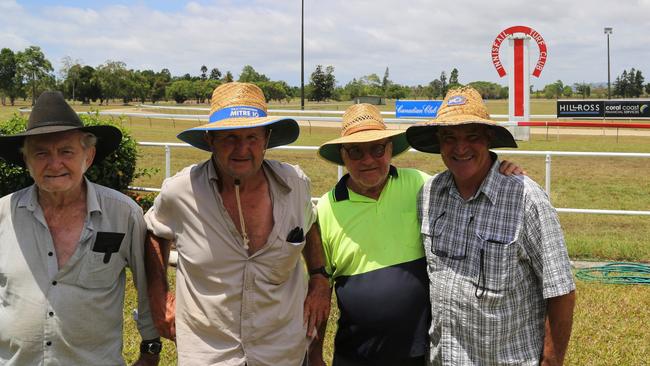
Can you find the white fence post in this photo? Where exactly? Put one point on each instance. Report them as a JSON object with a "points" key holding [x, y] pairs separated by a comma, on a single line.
{"points": [[548, 176]]}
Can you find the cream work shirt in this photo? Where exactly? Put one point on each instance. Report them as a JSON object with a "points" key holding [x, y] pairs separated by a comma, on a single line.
{"points": [[232, 308], [72, 315]]}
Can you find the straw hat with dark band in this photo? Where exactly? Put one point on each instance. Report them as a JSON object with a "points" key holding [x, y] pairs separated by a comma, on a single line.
{"points": [[241, 105], [362, 123], [52, 114], [460, 106]]}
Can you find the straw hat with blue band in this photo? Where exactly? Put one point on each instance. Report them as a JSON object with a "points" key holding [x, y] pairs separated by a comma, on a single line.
{"points": [[241, 105], [362, 123], [460, 106]]}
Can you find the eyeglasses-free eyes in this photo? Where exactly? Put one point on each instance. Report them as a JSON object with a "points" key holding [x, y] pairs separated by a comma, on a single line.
{"points": [[375, 150]]}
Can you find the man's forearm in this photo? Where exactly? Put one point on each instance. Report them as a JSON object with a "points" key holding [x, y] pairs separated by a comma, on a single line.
{"points": [[313, 250], [559, 320], [156, 257]]}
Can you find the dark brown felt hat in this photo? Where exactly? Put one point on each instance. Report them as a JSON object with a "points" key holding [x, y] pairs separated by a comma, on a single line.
{"points": [[52, 114]]}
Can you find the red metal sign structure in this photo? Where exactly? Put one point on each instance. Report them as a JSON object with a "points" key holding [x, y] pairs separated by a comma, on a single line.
{"points": [[496, 45]]}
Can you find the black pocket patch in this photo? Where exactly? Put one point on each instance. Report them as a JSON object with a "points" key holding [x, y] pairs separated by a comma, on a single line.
{"points": [[107, 243]]}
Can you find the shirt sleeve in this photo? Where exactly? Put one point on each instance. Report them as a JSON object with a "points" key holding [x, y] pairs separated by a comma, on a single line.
{"points": [[544, 244], [158, 219], [136, 264]]}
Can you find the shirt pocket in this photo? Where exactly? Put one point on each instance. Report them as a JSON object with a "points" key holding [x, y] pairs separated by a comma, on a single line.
{"points": [[438, 242], [497, 259], [95, 273], [285, 257]]}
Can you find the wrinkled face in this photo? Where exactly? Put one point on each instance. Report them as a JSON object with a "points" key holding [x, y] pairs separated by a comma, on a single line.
{"points": [[57, 161], [465, 151], [238, 153], [367, 166]]}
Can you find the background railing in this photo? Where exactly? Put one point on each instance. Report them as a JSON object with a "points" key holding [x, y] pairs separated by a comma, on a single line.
{"points": [[546, 154]]}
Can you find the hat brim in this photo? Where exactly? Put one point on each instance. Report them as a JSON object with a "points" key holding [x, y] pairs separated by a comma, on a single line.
{"points": [[284, 130], [424, 137], [108, 140], [331, 150]]}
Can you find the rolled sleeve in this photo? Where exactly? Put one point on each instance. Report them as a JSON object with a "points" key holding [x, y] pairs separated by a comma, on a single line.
{"points": [[158, 219]]}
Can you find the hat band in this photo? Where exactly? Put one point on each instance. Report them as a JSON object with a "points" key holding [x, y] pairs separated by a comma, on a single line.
{"points": [[237, 112]]}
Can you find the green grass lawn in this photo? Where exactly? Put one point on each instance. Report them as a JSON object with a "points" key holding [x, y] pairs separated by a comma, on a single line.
{"points": [[610, 320]]}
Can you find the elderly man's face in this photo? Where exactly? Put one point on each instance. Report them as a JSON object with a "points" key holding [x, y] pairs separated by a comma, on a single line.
{"points": [[367, 166], [57, 161], [238, 153], [465, 151]]}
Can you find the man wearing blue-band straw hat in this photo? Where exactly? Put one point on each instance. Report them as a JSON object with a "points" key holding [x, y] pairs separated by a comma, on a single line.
{"points": [[239, 223]]}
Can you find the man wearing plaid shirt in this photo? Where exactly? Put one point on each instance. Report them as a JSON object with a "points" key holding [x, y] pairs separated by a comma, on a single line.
{"points": [[501, 286]]}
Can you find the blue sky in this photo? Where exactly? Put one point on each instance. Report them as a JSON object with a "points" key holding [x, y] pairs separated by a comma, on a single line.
{"points": [[415, 39]]}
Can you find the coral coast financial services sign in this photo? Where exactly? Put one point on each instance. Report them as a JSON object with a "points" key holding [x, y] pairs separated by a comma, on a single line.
{"points": [[603, 108], [496, 45]]}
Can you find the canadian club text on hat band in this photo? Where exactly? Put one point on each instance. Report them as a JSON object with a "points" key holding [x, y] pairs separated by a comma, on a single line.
{"points": [[237, 112]]}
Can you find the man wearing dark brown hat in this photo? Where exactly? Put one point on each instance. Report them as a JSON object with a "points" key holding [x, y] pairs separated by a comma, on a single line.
{"points": [[373, 248], [64, 245], [501, 286], [240, 223]]}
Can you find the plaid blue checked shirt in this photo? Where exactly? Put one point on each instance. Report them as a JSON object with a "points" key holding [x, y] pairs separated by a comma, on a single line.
{"points": [[492, 262]]}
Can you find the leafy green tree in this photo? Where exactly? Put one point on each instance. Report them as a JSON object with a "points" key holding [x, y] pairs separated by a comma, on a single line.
{"points": [[228, 78], [322, 83], [453, 77], [180, 91], [215, 74], [487, 89], [10, 83], [385, 82], [436, 89], [113, 79], [567, 92], [88, 86], [249, 75], [443, 83], [204, 72], [69, 73], [583, 89], [35, 68], [554, 91], [275, 90]]}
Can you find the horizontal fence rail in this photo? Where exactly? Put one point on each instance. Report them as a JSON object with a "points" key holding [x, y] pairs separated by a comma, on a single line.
{"points": [[546, 154]]}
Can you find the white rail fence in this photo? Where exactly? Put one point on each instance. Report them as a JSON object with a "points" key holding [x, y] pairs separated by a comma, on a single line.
{"points": [[548, 155]]}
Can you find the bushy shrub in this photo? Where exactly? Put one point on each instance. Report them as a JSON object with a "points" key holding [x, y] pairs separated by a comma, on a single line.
{"points": [[116, 171]]}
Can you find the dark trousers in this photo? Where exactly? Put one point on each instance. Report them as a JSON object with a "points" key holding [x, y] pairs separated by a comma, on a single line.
{"points": [[340, 360]]}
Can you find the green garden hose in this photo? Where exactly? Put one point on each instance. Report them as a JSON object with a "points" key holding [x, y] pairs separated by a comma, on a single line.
{"points": [[621, 273]]}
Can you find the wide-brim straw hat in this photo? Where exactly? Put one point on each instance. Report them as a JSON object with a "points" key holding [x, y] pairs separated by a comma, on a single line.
{"points": [[362, 123], [241, 105], [460, 106], [51, 114]]}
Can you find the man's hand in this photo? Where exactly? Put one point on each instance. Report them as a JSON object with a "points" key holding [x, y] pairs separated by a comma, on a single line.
{"points": [[147, 360], [510, 168], [317, 304]]}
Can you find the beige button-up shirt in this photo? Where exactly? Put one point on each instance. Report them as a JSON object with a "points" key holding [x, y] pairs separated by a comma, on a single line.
{"points": [[232, 308], [72, 315]]}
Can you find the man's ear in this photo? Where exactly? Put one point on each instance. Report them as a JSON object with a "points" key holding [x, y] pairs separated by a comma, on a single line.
{"points": [[90, 156]]}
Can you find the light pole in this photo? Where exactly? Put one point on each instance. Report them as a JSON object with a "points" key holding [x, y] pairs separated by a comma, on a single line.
{"points": [[608, 31], [302, 55]]}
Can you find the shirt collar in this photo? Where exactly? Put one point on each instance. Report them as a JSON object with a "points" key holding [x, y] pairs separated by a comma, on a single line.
{"points": [[341, 192], [30, 199]]}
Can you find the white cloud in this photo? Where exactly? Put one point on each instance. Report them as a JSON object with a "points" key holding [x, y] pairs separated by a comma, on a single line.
{"points": [[416, 39]]}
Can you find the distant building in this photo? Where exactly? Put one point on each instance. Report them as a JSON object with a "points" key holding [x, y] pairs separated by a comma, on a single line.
{"points": [[370, 99]]}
